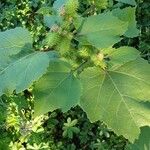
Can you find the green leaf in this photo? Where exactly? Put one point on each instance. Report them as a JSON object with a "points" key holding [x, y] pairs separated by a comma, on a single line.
{"points": [[19, 65], [130, 2], [121, 56], [58, 4], [20, 73], [103, 30], [128, 15], [4, 144], [118, 96], [44, 10], [14, 40], [21, 101], [58, 88], [51, 20], [143, 143]]}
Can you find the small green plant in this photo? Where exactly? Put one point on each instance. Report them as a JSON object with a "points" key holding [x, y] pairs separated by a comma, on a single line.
{"points": [[69, 128]]}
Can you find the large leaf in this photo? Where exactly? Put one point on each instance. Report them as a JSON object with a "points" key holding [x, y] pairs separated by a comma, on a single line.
{"points": [[117, 96], [19, 74], [58, 88], [103, 30], [13, 42], [128, 15], [143, 143], [19, 65]]}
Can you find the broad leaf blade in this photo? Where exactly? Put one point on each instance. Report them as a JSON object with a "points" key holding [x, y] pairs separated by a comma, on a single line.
{"points": [[20, 73], [128, 15], [14, 40], [103, 30], [19, 64], [143, 142], [116, 96], [58, 88], [121, 56]]}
